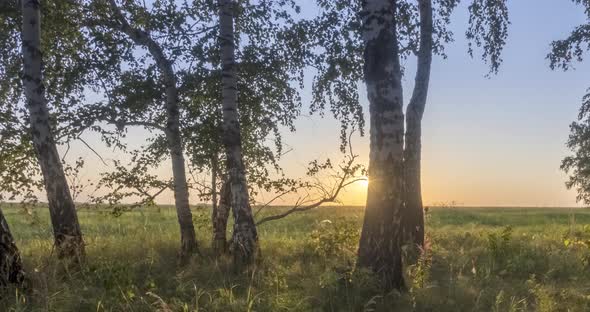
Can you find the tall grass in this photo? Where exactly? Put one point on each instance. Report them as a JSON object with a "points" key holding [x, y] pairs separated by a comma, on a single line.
{"points": [[478, 259]]}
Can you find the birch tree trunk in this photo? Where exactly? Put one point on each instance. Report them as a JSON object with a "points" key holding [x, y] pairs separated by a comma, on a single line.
{"points": [[245, 238], [11, 266], [380, 242], [414, 217], [220, 217], [66, 229], [214, 193], [188, 239]]}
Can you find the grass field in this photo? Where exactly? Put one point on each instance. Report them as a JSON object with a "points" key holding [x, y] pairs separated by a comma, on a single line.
{"points": [[480, 259]]}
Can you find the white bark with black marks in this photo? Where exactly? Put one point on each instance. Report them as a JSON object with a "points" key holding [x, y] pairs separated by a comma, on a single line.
{"points": [[414, 221], [380, 243], [220, 217], [245, 237], [68, 236]]}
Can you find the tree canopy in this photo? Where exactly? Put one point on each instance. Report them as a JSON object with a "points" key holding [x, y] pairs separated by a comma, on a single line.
{"points": [[564, 53]]}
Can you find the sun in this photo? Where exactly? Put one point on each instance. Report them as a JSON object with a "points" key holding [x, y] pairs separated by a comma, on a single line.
{"points": [[364, 183]]}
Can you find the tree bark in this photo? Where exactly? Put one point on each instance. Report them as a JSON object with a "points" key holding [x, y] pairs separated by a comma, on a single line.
{"points": [[66, 229], [214, 193], [380, 242], [188, 239], [11, 266], [220, 217], [245, 237], [414, 222]]}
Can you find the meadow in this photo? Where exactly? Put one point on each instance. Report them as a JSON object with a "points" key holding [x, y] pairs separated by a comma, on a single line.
{"points": [[477, 259]]}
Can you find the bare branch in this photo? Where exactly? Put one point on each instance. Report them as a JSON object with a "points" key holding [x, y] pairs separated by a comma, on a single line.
{"points": [[93, 150], [296, 208], [271, 201], [329, 194]]}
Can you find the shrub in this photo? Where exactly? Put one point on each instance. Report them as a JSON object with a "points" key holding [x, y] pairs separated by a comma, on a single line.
{"points": [[338, 238]]}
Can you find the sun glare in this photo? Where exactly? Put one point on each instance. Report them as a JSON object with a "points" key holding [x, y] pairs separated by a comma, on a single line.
{"points": [[364, 183]]}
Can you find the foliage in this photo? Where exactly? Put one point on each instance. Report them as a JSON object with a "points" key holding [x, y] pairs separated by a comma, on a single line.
{"points": [[270, 61], [135, 182], [86, 55], [579, 239], [419, 271], [563, 53], [488, 29], [578, 164], [571, 49], [334, 239], [499, 246], [338, 47], [67, 72], [338, 56]]}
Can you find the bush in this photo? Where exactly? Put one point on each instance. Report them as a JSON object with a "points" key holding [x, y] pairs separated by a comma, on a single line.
{"points": [[335, 239]]}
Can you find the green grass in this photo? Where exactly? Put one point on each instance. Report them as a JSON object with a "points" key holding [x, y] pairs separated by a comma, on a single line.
{"points": [[480, 259]]}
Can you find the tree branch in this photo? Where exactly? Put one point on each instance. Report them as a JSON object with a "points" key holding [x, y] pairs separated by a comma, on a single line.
{"points": [[329, 196], [147, 124], [424, 55], [271, 201], [142, 38], [93, 150]]}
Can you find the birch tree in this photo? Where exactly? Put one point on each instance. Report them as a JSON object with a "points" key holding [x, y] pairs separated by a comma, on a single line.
{"points": [[220, 217], [68, 70], [172, 129], [245, 236], [387, 34], [66, 228], [414, 219], [380, 243], [268, 65]]}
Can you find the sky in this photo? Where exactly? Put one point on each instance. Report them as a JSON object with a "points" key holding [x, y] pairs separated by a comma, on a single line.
{"points": [[487, 141]]}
